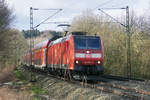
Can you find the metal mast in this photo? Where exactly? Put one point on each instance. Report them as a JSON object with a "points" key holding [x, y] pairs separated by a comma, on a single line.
{"points": [[128, 58], [128, 39], [31, 30]]}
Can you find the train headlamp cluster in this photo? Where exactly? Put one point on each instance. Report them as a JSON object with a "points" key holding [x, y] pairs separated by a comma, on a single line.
{"points": [[80, 55], [93, 55], [96, 55]]}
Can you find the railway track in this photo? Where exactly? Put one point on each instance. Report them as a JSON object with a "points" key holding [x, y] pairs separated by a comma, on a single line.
{"points": [[137, 94], [122, 78], [121, 88]]}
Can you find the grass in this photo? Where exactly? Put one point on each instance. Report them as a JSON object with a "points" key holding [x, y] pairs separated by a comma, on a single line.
{"points": [[34, 87], [19, 75], [37, 90]]}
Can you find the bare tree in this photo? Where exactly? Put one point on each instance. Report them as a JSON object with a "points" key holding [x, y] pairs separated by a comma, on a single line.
{"points": [[6, 16]]}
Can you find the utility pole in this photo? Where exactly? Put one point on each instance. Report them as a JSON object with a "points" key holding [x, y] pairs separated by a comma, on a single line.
{"points": [[15, 52], [31, 30], [128, 51], [128, 39]]}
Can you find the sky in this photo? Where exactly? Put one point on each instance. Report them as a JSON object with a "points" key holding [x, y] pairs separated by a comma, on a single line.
{"points": [[70, 9]]}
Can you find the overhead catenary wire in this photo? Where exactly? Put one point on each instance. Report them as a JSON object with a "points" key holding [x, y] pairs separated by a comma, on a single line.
{"points": [[58, 22], [111, 17], [64, 11], [104, 3], [45, 9], [47, 18]]}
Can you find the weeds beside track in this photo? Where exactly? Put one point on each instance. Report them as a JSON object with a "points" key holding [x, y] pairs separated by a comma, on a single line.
{"points": [[112, 86]]}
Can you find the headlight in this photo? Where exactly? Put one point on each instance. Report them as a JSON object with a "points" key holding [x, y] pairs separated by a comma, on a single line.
{"points": [[77, 62], [98, 62], [96, 55], [80, 55]]}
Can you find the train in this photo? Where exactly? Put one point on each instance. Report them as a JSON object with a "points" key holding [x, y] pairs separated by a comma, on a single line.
{"points": [[77, 54]]}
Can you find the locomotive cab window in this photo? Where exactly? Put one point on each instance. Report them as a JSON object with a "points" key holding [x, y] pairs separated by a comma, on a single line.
{"points": [[80, 43], [93, 43], [87, 42]]}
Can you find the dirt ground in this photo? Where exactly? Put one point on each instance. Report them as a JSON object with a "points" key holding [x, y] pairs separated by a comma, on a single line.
{"points": [[6, 74], [7, 90], [7, 93]]}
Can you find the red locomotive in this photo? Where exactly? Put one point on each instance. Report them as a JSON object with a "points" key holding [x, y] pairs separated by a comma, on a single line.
{"points": [[76, 53]]}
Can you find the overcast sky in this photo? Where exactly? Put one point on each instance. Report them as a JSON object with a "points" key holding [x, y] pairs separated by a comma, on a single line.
{"points": [[71, 8]]}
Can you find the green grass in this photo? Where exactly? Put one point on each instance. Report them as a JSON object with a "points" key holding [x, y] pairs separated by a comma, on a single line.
{"points": [[37, 90], [34, 88], [18, 75]]}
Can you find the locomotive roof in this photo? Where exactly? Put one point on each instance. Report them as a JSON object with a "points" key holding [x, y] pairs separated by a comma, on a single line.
{"points": [[86, 36], [54, 38], [57, 39]]}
